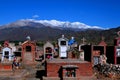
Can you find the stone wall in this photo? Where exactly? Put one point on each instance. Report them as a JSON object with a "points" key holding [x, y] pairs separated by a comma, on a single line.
{"points": [[84, 68]]}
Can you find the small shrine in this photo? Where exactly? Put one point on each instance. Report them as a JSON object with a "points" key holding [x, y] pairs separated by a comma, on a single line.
{"points": [[97, 51], [117, 49], [7, 54], [7, 57], [48, 50], [28, 51], [93, 52], [63, 46], [73, 51]]}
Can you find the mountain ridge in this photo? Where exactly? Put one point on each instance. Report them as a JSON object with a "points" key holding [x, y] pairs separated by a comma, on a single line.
{"points": [[51, 23], [40, 32]]}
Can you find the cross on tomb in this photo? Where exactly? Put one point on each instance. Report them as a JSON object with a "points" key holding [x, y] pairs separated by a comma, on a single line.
{"points": [[83, 40], [103, 38], [63, 36]]}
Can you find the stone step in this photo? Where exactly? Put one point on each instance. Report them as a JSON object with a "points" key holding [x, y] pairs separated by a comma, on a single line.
{"points": [[51, 78], [64, 78], [66, 61]]}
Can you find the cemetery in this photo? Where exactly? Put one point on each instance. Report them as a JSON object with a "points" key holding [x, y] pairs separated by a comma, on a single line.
{"points": [[65, 60]]}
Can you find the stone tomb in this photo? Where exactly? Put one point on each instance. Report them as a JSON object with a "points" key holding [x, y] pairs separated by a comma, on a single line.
{"points": [[28, 51], [117, 49], [60, 67], [63, 47], [7, 58], [6, 66], [93, 52], [48, 50]]}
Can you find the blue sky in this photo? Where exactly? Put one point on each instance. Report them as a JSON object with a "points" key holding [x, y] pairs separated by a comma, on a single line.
{"points": [[103, 13]]}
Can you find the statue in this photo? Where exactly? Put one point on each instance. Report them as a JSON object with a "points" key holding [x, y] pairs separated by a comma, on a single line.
{"points": [[28, 38], [62, 36], [103, 59], [71, 41]]}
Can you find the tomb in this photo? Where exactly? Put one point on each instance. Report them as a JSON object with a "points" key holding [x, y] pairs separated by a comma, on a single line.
{"points": [[68, 65], [96, 52], [63, 46], [7, 58], [81, 68], [28, 51], [99, 52], [48, 50], [7, 54], [87, 52], [117, 49], [93, 52]]}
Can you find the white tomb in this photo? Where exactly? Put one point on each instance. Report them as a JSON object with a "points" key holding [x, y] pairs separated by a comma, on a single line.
{"points": [[63, 47], [7, 54]]}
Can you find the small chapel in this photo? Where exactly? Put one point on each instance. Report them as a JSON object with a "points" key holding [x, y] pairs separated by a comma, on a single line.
{"points": [[6, 57]]}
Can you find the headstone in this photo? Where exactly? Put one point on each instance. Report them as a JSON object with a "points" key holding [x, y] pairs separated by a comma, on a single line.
{"points": [[28, 51], [7, 58], [6, 52], [83, 40], [48, 50], [63, 47], [117, 49]]}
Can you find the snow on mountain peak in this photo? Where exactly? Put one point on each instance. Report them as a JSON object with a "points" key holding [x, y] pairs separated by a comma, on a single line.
{"points": [[65, 24], [55, 24]]}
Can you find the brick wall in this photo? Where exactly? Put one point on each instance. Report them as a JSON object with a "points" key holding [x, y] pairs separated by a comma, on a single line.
{"points": [[5, 67], [28, 57], [84, 69]]}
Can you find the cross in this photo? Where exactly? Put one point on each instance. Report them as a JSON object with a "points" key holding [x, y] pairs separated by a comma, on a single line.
{"points": [[83, 40], [62, 36], [103, 38]]}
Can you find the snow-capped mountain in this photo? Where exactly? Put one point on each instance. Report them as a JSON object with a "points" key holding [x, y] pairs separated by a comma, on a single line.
{"points": [[52, 24], [66, 24], [43, 30]]}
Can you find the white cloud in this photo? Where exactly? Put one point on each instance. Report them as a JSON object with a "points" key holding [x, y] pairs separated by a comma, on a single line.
{"points": [[35, 16]]}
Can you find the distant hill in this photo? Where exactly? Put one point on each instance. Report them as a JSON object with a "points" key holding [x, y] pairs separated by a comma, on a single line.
{"points": [[19, 30]]}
